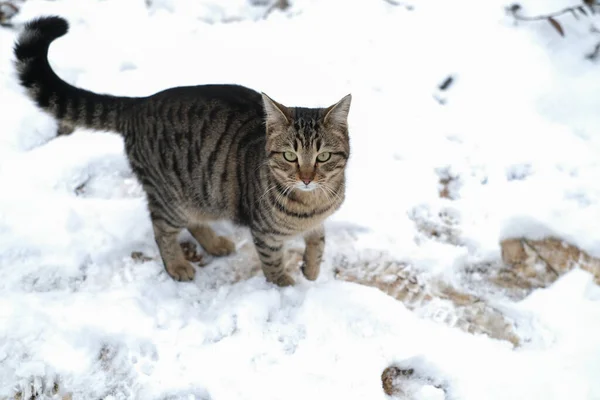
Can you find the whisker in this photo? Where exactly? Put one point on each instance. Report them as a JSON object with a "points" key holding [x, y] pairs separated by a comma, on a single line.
{"points": [[322, 189], [287, 187], [281, 195], [328, 189]]}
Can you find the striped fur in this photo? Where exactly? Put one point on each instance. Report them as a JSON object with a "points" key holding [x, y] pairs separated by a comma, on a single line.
{"points": [[210, 152]]}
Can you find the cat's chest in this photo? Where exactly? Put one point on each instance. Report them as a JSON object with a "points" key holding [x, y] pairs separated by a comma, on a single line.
{"points": [[296, 218], [298, 224]]}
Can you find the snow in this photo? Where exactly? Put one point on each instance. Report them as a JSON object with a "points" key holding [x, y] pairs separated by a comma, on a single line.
{"points": [[518, 133]]}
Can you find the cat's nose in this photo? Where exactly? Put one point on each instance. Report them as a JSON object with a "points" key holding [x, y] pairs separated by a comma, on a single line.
{"points": [[306, 181]]}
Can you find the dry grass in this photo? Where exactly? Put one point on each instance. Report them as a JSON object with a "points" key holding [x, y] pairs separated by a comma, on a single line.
{"points": [[527, 265], [390, 378], [469, 313], [402, 382], [40, 389], [449, 184], [538, 263]]}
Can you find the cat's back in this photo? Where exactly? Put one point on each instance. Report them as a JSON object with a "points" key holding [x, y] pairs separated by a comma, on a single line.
{"points": [[234, 97], [204, 111]]}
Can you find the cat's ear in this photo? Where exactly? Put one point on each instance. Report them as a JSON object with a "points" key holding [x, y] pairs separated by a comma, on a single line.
{"points": [[337, 114], [277, 114]]}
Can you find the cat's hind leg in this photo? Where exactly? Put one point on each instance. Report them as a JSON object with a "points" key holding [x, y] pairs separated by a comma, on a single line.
{"points": [[166, 237], [209, 240]]}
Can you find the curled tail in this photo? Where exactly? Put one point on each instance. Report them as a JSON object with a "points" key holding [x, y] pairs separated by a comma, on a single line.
{"points": [[67, 103]]}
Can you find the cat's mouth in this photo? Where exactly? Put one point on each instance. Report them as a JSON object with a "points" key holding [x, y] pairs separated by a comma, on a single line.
{"points": [[306, 187]]}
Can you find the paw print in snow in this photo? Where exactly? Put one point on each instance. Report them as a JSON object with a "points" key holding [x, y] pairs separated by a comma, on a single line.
{"points": [[144, 359]]}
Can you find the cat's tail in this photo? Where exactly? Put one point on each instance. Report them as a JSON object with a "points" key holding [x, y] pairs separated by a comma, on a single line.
{"points": [[67, 103]]}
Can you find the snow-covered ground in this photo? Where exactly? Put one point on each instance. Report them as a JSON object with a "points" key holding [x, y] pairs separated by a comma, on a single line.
{"points": [[517, 132]]}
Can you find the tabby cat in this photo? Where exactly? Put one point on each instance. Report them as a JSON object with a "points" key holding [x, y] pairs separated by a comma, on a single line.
{"points": [[208, 153]]}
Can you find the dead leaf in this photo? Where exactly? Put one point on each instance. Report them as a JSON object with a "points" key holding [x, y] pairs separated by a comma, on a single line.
{"points": [[140, 257], [556, 26]]}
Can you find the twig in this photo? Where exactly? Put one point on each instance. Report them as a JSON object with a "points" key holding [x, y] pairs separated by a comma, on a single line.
{"points": [[279, 4], [447, 82], [594, 54], [409, 7], [591, 5], [515, 8]]}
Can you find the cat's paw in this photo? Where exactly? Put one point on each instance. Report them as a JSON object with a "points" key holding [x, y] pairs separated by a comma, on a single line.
{"points": [[220, 246], [191, 254], [181, 271], [282, 280], [310, 271]]}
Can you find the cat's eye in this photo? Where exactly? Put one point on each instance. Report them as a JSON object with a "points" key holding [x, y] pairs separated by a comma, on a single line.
{"points": [[325, 156], [289, 156]]}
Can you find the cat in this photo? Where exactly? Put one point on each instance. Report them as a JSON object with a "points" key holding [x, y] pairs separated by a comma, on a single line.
{"points": [[210, 152]]}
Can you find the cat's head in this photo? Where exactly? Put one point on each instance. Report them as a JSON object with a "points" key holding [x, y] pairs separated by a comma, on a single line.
{"points": [[308, 148]]}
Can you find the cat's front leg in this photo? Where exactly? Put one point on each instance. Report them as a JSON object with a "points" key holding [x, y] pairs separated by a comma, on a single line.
{"points": [[270, 252], [313, 253]]}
